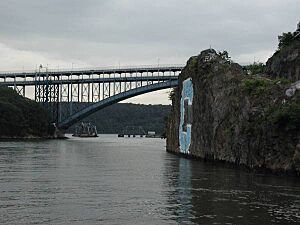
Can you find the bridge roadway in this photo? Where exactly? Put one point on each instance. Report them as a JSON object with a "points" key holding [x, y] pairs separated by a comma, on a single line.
{"points": [[88, 80], [92, 71]]}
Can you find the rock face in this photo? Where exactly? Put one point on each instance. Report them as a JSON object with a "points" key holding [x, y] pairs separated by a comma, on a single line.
{"points": [[229, 116], [286, 62]]}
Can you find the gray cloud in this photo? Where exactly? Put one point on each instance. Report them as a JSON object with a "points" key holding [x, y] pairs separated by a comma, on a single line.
{"points": [[106, 32]]}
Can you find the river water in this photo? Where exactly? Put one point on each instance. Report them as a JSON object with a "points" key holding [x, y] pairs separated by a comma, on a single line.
{"points": [[110, 180]]}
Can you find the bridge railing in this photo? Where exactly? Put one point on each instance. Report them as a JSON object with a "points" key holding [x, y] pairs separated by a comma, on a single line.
{"points": [[75, 69]]}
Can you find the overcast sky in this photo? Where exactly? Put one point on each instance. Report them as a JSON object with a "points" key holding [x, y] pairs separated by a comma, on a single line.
{"points": [[99, 33]]}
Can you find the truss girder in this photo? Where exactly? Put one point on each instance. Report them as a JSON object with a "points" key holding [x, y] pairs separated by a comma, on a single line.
{"points": [[65, 96]]}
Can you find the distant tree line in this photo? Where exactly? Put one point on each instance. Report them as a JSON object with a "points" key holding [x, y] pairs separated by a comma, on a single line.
{"points": [[114, 119], [20, 117], [255, 68]]}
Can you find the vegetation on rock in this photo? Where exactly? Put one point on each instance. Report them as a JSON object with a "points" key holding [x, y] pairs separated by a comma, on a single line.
{"points": [[255, 68], [286, 39], [285, 61], [285, 116], [256, 85]]}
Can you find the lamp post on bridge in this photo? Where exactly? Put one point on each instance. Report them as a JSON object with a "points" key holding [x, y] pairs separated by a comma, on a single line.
{"points": [[45, 92], [37, 83]]}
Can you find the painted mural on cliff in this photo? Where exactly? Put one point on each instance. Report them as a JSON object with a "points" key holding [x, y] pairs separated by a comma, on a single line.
{"points": [[185, 126]]}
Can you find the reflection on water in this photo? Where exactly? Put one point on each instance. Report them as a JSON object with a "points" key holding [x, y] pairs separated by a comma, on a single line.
{"points": [[208, 194], [107, 180], [178, 189]]}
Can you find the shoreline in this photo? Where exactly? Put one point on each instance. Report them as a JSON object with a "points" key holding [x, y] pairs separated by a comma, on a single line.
{"points": [[29, 138], [242, 167]]}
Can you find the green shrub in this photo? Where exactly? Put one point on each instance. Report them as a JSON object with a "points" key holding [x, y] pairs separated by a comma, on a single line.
{"points": [[285, 116], [255, 68], [192, 63], [256, 85]]}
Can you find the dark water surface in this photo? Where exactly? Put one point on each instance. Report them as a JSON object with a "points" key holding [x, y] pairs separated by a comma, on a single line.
{"points": [[133, 181]]}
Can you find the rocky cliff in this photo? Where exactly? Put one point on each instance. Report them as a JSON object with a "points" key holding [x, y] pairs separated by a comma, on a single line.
{"points": [[286, 62], [221, 113]]}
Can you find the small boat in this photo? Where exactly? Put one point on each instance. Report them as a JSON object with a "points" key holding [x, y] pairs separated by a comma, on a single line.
{"points": [[85, 130]]}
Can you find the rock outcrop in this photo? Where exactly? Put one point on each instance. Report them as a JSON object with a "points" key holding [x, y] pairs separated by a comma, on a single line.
{"points": [[286, 62], [245, 120]]}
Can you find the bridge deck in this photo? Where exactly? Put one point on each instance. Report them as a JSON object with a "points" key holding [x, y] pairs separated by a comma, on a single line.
{"points": [[78, 72], [89, 80]]}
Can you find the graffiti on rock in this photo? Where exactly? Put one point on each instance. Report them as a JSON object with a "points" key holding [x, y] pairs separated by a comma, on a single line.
{"points": [[185, 126]]}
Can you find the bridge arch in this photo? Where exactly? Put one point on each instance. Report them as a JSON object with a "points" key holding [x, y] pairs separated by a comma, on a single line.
{"points": [[65, 124], [59, 91]]}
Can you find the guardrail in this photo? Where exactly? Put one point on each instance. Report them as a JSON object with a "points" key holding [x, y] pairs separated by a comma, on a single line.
{"points": [[110, 68]]}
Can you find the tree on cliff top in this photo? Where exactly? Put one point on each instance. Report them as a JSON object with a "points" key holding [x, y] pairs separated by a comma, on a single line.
{"points": [[286, 39]]}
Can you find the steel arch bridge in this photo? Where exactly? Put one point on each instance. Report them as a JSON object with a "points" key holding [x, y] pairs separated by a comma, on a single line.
{"points": [[71, 95]]}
